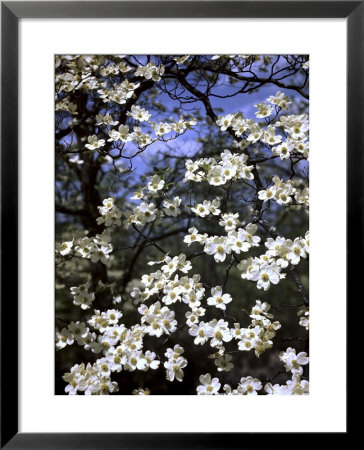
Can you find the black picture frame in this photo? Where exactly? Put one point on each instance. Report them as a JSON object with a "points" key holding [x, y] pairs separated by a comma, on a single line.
{"points": [[11, 12]]}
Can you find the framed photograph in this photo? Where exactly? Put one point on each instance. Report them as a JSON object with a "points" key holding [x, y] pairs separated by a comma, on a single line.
{"points": [[159, 194]]}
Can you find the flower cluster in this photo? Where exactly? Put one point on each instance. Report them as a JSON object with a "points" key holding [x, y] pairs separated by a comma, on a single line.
{"points": [[189, 239], [96, 248], [147, 210], [158, 320], [90, 379], [280, 99], [78, 74], [218, 299], [288, 251], [251, 130], [294, 386], [121, 134], [155, 184], [232, 166], [150, 71], [237, 240], [143, 139], [113, 69], [110, 213], [265, 110], [208, 386], [139, 114], [140, 138], [283, 192], [101, 320], [75, 331], [81, 296], [118, 93], [105, 120], [263, 270], [65, 248], [141, 214], [250, 386], [94, 142], [305, 318], [293, 362], [266, 269], [246, 386], [171, 207], [66, 105], [217, 331], [122, 349], [258, 336], [175, 363], [294, 126], [207, 207], [182, 289]]}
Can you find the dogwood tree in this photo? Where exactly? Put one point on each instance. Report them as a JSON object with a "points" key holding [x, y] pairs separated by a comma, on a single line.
{"points": [[182, 240]]}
